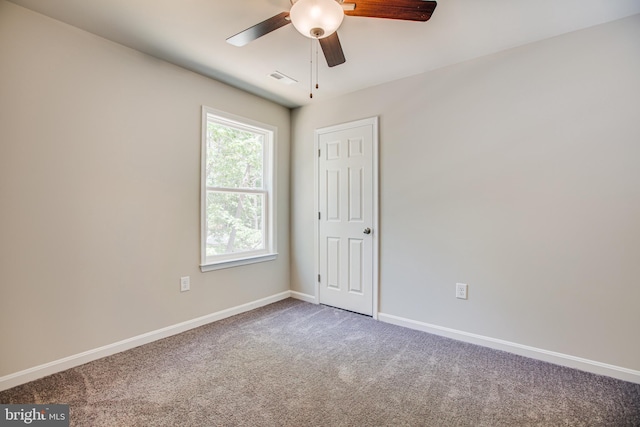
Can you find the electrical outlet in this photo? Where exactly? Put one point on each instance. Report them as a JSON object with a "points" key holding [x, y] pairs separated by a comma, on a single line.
{"points": [[461, 290], [185, 284]]}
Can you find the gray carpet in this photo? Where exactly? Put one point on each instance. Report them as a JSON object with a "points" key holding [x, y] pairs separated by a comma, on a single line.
{"points": [[298, 364]]}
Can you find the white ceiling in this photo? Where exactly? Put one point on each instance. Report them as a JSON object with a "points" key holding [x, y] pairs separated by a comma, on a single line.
{"points": [[192, 34]]}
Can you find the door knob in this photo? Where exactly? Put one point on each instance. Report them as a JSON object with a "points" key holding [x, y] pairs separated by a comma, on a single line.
{"points": [[367, 230]]}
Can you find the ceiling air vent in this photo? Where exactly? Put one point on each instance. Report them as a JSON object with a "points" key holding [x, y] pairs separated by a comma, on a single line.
{"points": [[277, 75]]}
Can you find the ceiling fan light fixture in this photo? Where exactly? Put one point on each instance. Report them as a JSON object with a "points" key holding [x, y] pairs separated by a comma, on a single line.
{"points": [[316, 19]]}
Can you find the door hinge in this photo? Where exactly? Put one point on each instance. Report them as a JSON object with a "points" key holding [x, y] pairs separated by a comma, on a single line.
{"points": [[318, 278], [318, 215], [318, 152]]}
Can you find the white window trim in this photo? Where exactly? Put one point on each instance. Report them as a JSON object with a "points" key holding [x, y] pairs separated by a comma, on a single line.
{"points": [[243, 258]]}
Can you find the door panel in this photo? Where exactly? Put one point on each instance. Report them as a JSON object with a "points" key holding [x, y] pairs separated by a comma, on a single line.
{"points": [[356, 177], [333, 262], [355, 265], [333, 195], [345, 201]]}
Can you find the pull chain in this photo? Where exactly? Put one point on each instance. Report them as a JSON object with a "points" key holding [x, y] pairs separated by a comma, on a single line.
{"points": [[317, 41], [311, 69]]}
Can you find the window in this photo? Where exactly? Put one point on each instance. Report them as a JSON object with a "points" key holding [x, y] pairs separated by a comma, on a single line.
{"points": [[237, 201]]}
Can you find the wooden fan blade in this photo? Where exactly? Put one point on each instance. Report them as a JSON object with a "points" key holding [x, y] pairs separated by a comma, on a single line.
{"points": [[407, 10], [259, 30], [332, 50]]}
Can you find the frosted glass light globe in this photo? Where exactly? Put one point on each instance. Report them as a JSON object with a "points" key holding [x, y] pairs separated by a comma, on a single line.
{"points": [[316, 19]]}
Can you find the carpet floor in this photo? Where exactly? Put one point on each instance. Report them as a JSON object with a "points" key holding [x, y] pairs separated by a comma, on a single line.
{"points": [[298, 364]]}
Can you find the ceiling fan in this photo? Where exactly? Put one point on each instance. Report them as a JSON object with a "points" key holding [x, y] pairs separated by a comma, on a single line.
{"points": [[319, 19]]}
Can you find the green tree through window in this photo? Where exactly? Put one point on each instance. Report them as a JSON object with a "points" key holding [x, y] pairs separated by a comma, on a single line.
{"points": [[237, 179]]}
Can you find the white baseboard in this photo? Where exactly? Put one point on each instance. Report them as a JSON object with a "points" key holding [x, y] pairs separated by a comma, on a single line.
{"points": [[580, 363], [55, 366], [40, 371], [303, 297]]}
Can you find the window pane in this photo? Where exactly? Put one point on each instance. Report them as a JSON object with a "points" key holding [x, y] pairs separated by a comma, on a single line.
{"points": [[234, 222], [234, 157], [238, 215]]}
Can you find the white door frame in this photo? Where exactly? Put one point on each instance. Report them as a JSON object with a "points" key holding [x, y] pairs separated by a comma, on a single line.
{"points": [[316, 204]]}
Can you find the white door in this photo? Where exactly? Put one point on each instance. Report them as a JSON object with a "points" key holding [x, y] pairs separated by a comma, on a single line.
{"points": [[347, 217]]}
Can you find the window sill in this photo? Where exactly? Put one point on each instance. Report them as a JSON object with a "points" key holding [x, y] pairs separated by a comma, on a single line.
{"points": [[237, 262]]}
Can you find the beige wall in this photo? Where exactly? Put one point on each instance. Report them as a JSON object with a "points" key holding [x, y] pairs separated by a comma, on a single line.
{"points": [[517, 174], [99, 193]]}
